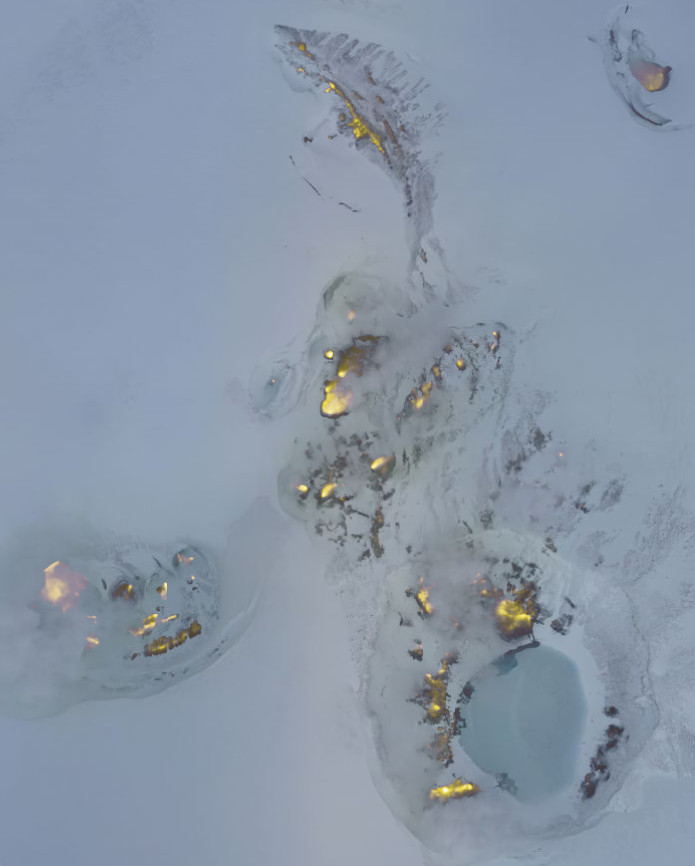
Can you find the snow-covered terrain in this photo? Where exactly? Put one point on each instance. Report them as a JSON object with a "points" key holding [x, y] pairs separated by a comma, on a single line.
{"points": [[378, 309]]}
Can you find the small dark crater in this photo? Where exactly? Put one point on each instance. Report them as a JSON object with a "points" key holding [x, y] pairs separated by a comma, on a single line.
{"points": [[612, 494], [486, 518], [516, 464], [550, 544], [466, 693], [540, 439], [562, 624]]}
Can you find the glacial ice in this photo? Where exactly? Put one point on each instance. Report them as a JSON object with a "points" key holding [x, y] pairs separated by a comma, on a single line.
{"points": [[642, 79], [418, 453], [375, 104], [91, 615], [474, 479], [429, 539]]}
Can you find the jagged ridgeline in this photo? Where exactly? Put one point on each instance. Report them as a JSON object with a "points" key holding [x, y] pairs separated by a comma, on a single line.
{"points": [[376, 105]]}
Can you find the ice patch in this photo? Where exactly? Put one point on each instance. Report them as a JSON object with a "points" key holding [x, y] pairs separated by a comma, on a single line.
{"points": [[526, 721], [89, 615], [376, 105], [635, 71], [447, 504]]}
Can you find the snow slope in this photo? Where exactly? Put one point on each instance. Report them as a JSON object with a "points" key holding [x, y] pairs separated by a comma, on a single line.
{"points": [[167, 239]]}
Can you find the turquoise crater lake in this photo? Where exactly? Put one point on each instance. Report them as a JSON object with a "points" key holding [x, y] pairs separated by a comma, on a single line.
{"points": [[526, 719]]}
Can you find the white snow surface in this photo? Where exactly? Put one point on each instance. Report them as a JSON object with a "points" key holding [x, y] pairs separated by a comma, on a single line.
{"points": [[172, 244]]}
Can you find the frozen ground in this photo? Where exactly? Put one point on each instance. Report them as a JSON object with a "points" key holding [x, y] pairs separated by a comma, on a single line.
{"points": [[168, 237]]}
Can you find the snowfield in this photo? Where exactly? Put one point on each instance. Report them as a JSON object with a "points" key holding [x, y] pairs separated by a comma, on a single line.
{"points": [[379, 309]]}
